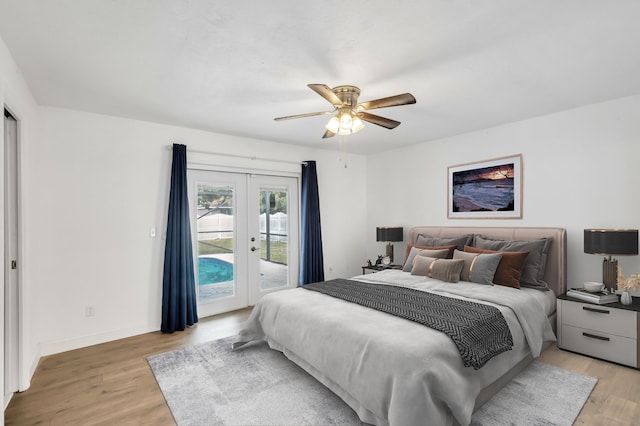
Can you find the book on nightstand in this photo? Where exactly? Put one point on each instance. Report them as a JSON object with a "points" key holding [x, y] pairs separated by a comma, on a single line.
{"points": [[599, 297]]}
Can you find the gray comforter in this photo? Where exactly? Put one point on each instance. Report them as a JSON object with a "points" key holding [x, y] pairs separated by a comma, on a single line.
{"points": [[388, 369]]}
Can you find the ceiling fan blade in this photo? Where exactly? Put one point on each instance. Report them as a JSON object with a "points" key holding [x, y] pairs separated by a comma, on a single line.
{"points": [[326, 92], [310, 114], [380, 121], [328, 134], [404, 99]]}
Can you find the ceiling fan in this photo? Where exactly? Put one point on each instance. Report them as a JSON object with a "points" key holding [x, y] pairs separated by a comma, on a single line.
{"points": [[350, 114]]}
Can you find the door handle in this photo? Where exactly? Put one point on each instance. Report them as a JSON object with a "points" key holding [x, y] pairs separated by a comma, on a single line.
{"points": [[254, 248]]}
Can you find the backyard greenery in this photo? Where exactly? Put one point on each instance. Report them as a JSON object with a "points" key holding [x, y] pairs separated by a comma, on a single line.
{"points": [[225, 245], [215, 202]]}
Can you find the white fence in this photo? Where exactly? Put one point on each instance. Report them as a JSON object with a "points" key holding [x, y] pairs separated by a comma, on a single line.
{"points": [[278, 224], [217, 226]]}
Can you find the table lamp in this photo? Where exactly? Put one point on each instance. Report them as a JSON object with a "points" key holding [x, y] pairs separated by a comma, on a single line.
{"points": [[389, 235], [609, 242]]}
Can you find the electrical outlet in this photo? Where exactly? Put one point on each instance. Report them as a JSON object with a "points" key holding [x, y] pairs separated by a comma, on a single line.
{"points": [[89, 311]]}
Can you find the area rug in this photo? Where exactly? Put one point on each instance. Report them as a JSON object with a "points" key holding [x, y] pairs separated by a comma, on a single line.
{"points": [[540, 395], [209, 384]]}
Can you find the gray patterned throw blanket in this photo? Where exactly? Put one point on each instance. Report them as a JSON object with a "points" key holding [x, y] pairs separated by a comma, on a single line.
{"points": [[479, 331]]}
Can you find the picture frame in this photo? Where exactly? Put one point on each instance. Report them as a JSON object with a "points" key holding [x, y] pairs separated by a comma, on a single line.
{"points": [[489, 189]]}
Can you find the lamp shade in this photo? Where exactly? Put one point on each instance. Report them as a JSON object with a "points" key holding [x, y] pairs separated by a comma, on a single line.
{"points": [[611, 241], [389, 234]]}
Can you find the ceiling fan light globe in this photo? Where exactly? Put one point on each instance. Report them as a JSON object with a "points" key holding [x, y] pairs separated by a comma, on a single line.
{"points": [[345, 121], [357, 125], [333, 125]]}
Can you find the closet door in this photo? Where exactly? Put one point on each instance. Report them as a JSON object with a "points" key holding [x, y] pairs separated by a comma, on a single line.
{"points": [[11, 261]]}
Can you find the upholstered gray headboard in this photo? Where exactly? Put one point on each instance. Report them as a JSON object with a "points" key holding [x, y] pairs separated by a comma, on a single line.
{"points": [[555, 274]]}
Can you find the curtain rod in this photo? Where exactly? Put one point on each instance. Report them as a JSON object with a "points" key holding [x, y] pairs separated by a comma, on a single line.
{"points": [[248, 157]]}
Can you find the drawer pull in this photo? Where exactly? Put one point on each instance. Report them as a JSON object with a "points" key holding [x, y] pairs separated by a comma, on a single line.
{"points": [[599, 311], [593, 336]]}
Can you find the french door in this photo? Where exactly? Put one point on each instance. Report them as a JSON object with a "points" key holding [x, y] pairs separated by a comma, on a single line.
{"points": [[245, 232]]}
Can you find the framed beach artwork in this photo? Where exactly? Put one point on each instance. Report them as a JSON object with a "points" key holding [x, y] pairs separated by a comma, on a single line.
{"points": [[490, 189]]}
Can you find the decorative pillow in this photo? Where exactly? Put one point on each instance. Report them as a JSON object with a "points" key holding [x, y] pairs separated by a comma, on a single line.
{"points": [[510, 266], [438, 254], [410, 246], [459, 242], [478, 268], [447, 270], [533, 271]]}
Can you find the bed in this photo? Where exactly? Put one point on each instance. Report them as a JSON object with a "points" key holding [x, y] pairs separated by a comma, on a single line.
{"points": [[394, 371]]}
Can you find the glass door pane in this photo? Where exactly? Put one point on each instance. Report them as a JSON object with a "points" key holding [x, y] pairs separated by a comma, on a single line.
{"points": [[273, 220], [215, 242], [274, 238], [218, 210]]}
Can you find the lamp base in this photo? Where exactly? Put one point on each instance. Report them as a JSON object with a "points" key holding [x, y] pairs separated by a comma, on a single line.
{"points": [[610, 274], [390, 251]]}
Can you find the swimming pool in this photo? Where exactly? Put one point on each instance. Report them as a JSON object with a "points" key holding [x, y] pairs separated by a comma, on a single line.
{"points": [[212, 270]]}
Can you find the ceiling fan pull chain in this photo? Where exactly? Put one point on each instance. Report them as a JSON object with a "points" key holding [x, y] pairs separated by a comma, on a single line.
{"points": [[343, 150]]}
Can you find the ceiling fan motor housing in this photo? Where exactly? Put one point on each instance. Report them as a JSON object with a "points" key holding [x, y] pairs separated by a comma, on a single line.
{"points": [[347, 94]]}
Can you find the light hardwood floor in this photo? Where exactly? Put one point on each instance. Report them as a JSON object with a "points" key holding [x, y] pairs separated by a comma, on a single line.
{"points": [[111, 383]]}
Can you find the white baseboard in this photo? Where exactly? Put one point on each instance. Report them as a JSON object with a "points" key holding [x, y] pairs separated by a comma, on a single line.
{"points": [[26, 373], [53, 347]]}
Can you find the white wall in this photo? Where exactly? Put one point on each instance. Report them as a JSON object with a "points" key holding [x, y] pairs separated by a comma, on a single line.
{"points": [[101, 182], [580, 170], [16, 96]]}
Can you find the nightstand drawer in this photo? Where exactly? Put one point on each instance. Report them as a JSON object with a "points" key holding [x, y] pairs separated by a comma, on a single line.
{"points": [[600, 318], [600, 345]]}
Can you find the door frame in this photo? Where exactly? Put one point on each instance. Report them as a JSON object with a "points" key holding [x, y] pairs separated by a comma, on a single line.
{"points": [[247, 172], [18, 308]]}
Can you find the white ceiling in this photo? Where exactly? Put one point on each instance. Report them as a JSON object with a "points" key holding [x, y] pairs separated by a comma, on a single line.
{"points": [[231, 67]]}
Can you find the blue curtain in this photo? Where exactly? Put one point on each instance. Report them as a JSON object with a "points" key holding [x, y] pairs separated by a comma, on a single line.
{"points": [[311, 260], [179, 307]]}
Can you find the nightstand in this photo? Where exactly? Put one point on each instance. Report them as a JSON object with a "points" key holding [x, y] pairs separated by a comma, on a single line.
{"points": [[608, 331], [379, 268]]}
